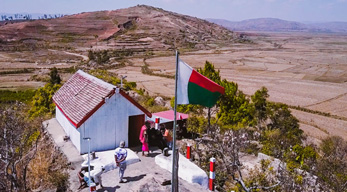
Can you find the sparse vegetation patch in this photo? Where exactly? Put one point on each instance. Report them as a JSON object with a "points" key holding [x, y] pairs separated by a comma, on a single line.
{"points": [[25, 70]]}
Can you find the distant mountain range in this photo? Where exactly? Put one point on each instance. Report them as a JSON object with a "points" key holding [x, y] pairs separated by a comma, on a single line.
{"points": [[279, 25]]}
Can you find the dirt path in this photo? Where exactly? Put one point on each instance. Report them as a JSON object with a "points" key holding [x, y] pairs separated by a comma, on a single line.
{"points": [[85, 58], [328, 100]]}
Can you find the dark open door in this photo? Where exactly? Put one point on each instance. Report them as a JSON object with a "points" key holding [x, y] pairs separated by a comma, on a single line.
{"points": [[135, 124]]}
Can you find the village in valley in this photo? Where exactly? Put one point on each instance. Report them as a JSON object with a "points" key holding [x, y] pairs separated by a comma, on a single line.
{"points": [[145, 99]]}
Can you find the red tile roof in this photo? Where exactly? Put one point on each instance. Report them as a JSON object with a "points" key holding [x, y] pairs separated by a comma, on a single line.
{"points": [[170, 115], [82, 95]]}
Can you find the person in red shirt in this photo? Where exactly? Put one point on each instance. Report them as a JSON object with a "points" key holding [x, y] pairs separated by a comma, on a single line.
{"points": [[144, 138], [168, 138]]}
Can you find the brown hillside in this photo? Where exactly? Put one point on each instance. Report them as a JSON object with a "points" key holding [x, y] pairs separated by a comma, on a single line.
{"points": [[139, 27]]}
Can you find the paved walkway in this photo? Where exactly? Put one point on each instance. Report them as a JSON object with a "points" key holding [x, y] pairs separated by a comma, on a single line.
{"points": [[142, 176]]}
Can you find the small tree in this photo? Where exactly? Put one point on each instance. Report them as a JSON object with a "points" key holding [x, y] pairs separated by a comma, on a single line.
{"points": [[55, 77], [91, 55], [42, 103], [260, 105], [212, 74], [332, 165], [282, 132], [235, 109], [196, 124]]}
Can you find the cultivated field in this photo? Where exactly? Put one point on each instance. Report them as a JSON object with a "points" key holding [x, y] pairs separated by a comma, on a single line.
{"points": [[306, 70], [300, 69]]}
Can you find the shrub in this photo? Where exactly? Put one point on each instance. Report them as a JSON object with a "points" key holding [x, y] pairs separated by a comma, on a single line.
{"points": [[42, 103], [59, 180], [7, 96], [196, 124], [25, 70]]}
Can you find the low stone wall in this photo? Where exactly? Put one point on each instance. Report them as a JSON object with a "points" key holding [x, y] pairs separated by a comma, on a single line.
{"points": [[186, 169]]}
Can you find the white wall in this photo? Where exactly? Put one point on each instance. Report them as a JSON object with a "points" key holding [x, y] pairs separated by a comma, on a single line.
{"points": [[109, 125], [69, 129]]}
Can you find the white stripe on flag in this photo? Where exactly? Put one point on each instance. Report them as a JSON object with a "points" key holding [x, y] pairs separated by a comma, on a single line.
{"points": [[184, 73]]}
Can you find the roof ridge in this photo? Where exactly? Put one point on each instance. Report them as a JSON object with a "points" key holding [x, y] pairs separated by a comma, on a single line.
{"points": [[96, 80]]}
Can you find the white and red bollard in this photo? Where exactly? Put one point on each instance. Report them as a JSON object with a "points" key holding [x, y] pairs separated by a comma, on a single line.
{"points": [[188, 151], [92, 187], [212, 174], [157, 120]]}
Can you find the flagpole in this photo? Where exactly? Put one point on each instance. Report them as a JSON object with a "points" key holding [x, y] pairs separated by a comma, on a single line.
{"points": [[174, 179]]}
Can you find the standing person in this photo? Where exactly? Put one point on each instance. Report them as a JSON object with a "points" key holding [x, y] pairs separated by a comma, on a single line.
{"points": [[144, 138], [96, 174], [120, 155], [168, 138]]}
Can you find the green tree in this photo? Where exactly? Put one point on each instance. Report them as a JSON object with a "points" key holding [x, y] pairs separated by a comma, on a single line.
{"points": [[42, 103], [190, 108], [91, 55], [260, 104], [235, 110], [102, 57], [282, 132], [54, 76], [210, 72]]}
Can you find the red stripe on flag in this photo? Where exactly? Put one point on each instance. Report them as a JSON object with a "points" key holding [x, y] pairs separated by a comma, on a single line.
{"points": [[204, 82]]}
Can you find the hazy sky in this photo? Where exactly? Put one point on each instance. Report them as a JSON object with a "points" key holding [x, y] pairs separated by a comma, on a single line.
{"points": [[233, 10]]}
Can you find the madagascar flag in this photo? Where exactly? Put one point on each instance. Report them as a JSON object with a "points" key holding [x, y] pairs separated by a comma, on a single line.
{"points": [[194, 88]]}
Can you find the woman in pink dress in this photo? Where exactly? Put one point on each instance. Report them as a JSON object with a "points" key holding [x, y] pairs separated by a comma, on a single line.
{"points": [[144, 138]]}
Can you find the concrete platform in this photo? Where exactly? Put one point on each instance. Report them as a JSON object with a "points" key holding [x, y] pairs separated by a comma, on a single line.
{"points": [[145, 175], [186, 169], [106, 160]]}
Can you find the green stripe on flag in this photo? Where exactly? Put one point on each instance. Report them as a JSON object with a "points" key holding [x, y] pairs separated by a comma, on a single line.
{"points": [[202, 96]]}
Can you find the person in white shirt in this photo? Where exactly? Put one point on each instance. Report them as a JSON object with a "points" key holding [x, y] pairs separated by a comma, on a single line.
{"points": [[120, 155]]}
